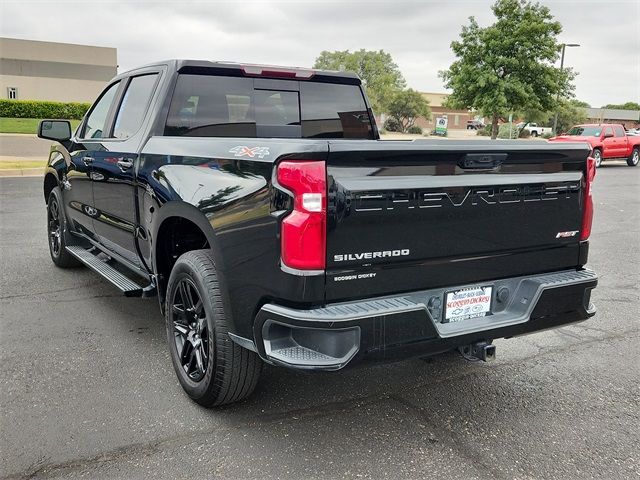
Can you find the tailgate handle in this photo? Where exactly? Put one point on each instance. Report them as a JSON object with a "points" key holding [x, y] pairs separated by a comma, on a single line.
{"points": [[483, 160]]}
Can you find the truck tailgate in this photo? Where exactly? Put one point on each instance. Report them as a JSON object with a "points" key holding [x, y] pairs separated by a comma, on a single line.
{"points": [[425, 214]]}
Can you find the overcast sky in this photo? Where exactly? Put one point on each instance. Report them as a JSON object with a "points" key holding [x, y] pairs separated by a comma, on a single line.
{"points": [[416, 33]]}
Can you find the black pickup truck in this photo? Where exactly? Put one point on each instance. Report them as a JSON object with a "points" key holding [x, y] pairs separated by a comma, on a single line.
{"points": [[260, 206]]}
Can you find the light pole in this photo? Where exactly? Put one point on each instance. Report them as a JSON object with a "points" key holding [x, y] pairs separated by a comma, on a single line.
{"points": [[555, 117]]}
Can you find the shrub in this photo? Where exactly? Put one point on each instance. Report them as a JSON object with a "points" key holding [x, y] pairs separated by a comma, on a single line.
{"points": [[42, 109], [505, 132], [547, 135], [524, 133], [484, 131], [392, 125], [415, 129]]}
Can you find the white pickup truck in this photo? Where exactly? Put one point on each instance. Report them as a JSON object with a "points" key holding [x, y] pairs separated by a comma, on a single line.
{"points": [[534, 129]]}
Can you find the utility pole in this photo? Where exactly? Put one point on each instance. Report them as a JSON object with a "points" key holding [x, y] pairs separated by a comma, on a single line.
{"points": [[555, 117]]}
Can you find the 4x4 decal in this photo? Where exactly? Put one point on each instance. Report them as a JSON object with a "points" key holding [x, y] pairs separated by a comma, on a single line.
{"points": [[251, 152]]}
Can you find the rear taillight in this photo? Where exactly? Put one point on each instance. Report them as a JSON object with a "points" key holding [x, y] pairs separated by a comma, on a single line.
{"points": [[587, 210], [303, 231]]}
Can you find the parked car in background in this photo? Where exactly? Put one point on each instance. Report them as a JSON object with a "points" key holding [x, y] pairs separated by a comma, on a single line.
{"points": [[475, 124], [534, 129], [608, 141], [633, 131]]}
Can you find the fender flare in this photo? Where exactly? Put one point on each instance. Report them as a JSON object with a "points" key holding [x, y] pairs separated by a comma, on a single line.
{"points": [[57, 165], [181, 209]]}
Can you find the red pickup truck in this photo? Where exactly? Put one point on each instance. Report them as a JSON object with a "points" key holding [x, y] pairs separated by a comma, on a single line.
{"points": [[608, 141]]}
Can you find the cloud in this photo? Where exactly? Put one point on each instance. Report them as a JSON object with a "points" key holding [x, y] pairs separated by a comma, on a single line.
{"points": [[416, 33]]}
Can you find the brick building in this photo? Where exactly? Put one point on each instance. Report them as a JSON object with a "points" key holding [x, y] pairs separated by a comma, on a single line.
{"points": [[457, 118], [628, 118]]}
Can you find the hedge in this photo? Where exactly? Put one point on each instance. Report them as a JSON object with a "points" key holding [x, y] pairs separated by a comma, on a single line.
{"points": [[41, 109]]}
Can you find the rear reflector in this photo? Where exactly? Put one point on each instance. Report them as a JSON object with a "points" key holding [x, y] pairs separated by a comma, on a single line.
{"points": [[587, 210], [303, 231]]}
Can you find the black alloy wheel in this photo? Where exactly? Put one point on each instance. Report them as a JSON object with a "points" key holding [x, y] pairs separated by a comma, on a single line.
{"points": [[190, 330], [57, 234], [212, 369], [54, 227]]}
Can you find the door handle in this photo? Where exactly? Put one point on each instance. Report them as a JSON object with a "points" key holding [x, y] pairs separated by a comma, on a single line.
{"points": [[125, 163], [87, 160]]}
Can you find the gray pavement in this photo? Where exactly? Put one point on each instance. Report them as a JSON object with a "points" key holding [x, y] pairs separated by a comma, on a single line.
{"points": [[87, 388], [23, 146]]}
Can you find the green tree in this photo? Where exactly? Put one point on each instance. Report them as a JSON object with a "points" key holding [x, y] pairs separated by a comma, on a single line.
{"points": [[579, 103], [380, 75], [624, 106], [406, 106], [570, 112], [508, 66]]}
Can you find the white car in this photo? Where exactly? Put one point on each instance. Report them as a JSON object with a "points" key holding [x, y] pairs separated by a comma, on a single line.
{"points": [[534, 129]]}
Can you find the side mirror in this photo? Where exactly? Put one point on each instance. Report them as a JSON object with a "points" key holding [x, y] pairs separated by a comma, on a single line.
{"points": [[608, 135], [57, 130]]}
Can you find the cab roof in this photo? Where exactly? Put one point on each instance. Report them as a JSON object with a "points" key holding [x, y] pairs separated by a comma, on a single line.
{"points": [[204, 67]]}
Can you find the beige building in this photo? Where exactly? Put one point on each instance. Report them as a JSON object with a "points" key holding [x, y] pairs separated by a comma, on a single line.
{"points": [[63, 72]]}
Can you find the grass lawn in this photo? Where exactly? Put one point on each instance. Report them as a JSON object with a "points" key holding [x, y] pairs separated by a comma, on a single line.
{"points": [[25, 125]]}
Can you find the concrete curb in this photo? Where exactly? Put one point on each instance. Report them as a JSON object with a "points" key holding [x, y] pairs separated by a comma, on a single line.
{"points": [[22, 172], [33, 135]]}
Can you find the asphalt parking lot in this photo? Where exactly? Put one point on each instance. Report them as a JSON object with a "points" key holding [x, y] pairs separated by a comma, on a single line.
{"points": [[87, 388]]}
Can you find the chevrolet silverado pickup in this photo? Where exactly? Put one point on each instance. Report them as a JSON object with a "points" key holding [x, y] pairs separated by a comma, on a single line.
{"points": [[608, 141], [262, 209]]}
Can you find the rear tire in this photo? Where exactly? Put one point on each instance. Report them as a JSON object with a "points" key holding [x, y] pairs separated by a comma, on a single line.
{"points": [[597, 156], [57, 233], [211, 368], [634, 158], [534, 134]]}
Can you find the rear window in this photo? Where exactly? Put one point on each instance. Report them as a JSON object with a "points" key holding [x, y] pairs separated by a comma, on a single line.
{"points": [[209, 106]]}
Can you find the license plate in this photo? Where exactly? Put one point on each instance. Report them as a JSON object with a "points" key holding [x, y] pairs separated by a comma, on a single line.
{"points": [[467, 303]]}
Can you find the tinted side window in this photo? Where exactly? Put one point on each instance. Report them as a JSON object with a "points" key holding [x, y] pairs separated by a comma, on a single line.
{"points": [[333, 111], [94, 127], [134, 106], [205, 106], [619, 131], [607, 131]]}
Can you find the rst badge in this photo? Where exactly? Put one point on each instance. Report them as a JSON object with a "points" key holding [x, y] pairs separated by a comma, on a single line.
{"points": [[568, 234], [251, 152]]}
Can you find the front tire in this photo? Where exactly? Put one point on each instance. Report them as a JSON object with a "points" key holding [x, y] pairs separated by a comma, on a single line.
{"points": [[634, 158], [597, 156], [57, 232], [211, 368]]}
